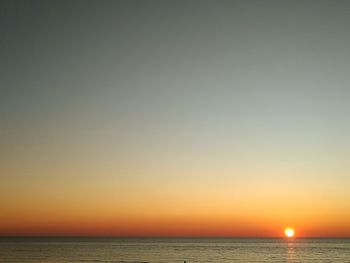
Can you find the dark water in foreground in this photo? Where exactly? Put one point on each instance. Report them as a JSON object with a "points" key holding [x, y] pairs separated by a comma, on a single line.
{"points": [[156, 250]]}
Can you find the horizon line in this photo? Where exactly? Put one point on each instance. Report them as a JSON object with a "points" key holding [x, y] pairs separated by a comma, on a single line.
{"points": [[182, 237]]}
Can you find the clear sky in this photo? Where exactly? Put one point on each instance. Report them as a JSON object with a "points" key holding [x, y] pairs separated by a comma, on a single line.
{"points": [[156, 118]]}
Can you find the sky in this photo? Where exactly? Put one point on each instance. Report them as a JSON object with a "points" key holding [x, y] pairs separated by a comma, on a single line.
{"points": [[175, 118]]}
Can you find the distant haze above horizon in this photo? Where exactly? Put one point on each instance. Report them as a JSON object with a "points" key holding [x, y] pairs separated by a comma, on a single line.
{"points": [[175, 118]]}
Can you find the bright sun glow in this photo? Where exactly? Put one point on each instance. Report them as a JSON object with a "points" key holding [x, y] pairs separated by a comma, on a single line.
{"points": [[289, 232]]}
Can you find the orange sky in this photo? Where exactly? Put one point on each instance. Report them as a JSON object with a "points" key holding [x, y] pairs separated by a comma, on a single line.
{"points": [[207, 207], [204, 196]]}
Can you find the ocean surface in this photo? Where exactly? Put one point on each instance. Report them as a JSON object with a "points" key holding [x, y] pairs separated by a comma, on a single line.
{"points": [[156, 250]]}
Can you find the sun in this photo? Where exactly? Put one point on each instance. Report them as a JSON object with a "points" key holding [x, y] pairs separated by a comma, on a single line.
{"points": [[289, 232]]}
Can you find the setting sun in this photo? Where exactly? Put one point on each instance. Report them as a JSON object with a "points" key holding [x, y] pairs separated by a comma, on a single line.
{"points": [[289, 232]]}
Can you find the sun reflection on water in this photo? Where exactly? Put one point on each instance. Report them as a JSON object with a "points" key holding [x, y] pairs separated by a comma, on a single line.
{"points": [[291, 253]]}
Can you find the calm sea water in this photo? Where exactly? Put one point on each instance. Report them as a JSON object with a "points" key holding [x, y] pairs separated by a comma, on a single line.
{"points": [[156, 250]]}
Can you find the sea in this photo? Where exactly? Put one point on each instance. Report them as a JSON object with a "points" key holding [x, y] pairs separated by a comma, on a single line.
{"points": [[174, 250]]}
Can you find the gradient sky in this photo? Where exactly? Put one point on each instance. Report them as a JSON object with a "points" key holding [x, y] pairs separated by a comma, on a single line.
{"points": [[184, 118]]}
